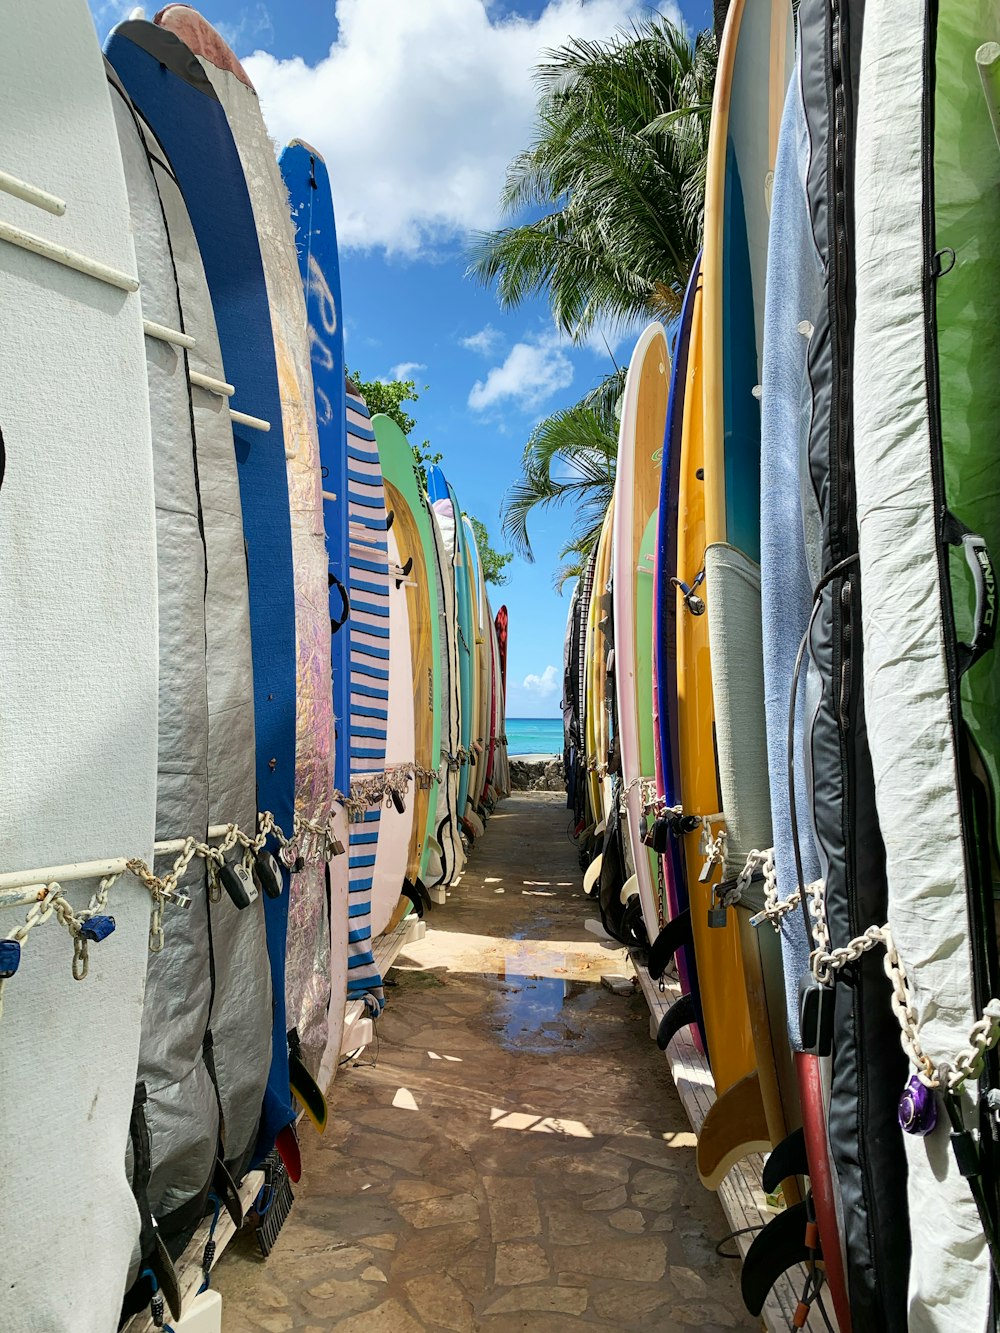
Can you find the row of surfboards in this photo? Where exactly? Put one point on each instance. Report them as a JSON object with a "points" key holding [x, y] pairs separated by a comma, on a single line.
{"points": [[782, 720], [253, 687]]}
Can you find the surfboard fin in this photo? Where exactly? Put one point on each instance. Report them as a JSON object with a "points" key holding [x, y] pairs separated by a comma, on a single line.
{"points": [[417, 893], [780, 1246], [287, 1144], [735, 1127], [304, 1087], [633, 926], [681, 1014], [788, 1158], [674, 935]]}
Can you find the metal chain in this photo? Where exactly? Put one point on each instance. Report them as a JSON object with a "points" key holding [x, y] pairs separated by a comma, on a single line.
{"points": [[984, 1034]]}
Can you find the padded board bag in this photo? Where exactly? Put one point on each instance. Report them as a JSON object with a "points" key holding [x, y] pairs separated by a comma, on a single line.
{"points": [[927, 394], [172, 94], [868, 1066], [78, 661]]}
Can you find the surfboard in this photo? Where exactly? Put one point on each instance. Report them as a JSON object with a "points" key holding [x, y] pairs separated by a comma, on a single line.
{"points": [[416, 542], [502, 623], [396, 826], [172, 93], [308, 182], [793, 293], [665, 746], [640, 449], [368, 588], [446, 504], [307, 961], [447, 833], [78, 728], [480, 679]]}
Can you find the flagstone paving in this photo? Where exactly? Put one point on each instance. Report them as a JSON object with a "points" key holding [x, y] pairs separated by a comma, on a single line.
{"points": [[512, 1154]]}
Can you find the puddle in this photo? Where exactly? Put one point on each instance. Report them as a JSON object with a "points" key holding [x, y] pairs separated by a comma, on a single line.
{"points": [[538, 1014]]}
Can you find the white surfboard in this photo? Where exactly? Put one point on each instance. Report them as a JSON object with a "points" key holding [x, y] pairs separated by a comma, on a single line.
{"points": [[394, 826], [78, 658]]}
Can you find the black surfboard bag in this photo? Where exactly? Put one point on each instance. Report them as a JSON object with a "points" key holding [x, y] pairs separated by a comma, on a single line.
{"points": [[868, 1065]]}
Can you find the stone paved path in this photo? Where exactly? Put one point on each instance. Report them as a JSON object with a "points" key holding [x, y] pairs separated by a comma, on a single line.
{"points": [[516, 1156]]}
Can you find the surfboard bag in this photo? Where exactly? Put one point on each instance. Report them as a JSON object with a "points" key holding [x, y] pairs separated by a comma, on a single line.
{"points": [[868, 1065], [926, 402], [446, 825]]}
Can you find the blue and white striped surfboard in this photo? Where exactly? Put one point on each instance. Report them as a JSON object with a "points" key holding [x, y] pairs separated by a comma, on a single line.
{"points": [[369, 647]]}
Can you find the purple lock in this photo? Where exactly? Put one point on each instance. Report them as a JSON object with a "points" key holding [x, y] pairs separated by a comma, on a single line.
{"points": [[918, 1110]]}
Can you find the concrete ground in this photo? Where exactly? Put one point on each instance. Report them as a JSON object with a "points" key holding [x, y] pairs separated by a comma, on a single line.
{"points": [[512, 1155]]}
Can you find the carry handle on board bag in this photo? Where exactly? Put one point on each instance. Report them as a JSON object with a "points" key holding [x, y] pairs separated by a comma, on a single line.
{"points": [[980, 562], [345, 610]]}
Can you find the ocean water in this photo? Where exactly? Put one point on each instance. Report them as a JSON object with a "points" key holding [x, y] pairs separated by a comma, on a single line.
{"points": [[534, 735]]}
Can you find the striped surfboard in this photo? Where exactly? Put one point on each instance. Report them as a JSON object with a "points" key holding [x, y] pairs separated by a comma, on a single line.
{"points": [[369, 648]]}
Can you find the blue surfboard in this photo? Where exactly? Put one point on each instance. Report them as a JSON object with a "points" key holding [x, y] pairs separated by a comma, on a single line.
{"points": [[311, 200], [171, 91]]}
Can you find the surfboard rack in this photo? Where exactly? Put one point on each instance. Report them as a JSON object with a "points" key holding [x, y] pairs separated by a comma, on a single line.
{"points": [[742, 1193], [220, 387], [164, 334], [244, 419], [62, 254], [20, 888], [31, 194]]}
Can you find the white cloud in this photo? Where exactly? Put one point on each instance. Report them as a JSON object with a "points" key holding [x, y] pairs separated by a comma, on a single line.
{"points": [[406, 370], [531, 373], [485, 341], [418, 108], [544, 687]]}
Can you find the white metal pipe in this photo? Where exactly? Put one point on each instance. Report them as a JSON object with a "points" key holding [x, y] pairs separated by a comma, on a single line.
{"points": [[242, 419], [28, 884], [220, 387], [59, 254], [988, 60], [165, 335], [31, 194]]}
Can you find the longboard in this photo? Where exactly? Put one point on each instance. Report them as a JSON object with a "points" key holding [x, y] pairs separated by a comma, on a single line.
{"points": [[416, 543], [447, 833], [78, 727], [640, 450], [307, 961], [311, 201]]}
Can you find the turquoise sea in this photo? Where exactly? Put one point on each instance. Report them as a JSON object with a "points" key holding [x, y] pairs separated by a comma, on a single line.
{"points": [[534, 735]]}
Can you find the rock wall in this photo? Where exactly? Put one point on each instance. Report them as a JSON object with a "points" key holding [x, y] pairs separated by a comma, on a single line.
{"points": [[535, 775]]}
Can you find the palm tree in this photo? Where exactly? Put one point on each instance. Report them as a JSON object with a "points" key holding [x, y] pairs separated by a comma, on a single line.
{"points": [[569, 459], [617, 165]]}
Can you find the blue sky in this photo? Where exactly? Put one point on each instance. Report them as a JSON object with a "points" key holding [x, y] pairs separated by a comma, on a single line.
{"points": [[417, 106]]}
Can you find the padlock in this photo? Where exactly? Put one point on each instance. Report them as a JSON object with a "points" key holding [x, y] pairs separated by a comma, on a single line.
{"points": [[815, 1015], [267, 874], [238, 884], [97, 928], [716, 913], [337, 847], [299, 864], [707, 871], [10, 958], [658, 835], [397, 800]]}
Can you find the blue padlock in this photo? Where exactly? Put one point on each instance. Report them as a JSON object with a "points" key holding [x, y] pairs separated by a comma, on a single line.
{"points": [[10, 958], [97, 928]]}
